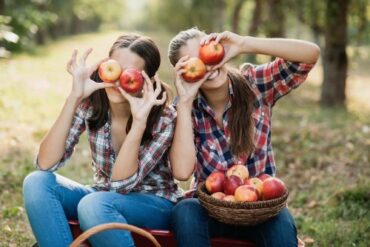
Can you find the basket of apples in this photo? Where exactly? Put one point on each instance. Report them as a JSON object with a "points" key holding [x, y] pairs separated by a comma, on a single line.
{"points": [[235, 198]]}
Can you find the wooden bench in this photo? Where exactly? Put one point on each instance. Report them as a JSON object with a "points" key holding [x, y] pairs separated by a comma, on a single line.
{"points": [[165, 238]]}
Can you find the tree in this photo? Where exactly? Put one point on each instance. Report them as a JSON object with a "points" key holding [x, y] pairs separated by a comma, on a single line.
{"points": [[236, 15], [335, 56]]}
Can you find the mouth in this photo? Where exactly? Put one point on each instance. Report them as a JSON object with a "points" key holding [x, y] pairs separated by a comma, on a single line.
{"points": [[213, 75]]}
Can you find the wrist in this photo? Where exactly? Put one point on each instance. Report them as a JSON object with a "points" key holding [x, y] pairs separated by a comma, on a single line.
{"points": [[185, 105], [248, 45], [74, 99], [138, 125]]}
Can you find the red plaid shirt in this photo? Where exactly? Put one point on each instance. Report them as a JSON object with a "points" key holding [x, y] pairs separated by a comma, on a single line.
{"points": [[269, 82], [153, 175]]}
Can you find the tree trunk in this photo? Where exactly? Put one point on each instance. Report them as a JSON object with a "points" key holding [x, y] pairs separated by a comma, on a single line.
{"points": [[2, 7], [275, 26], [236, 16], [220, 13], [253, 28], [335, 56], [256, 18]]}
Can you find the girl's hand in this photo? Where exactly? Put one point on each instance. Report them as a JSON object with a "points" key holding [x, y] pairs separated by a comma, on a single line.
{"points": [[186, 91], [232, 43], [140, 107], [83, 86]]}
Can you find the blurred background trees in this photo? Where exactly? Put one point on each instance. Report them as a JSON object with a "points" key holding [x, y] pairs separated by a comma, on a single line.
{"points": [[332, 24], [25, 23]]}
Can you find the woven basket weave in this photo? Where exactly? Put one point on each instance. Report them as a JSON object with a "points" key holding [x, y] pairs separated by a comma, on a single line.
{"points": [[240, 213]]}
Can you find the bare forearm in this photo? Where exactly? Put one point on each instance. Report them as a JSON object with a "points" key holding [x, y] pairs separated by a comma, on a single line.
{"points": [[288, 49], [126, 163], [182, 152], [52, 146]]}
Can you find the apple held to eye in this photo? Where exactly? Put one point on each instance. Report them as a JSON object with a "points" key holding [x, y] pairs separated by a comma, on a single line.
{"points": [[131, 80], [194, 70], [110, 71], [211, 53]]}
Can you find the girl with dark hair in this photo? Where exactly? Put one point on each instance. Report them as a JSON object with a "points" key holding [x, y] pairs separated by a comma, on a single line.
{"points": [[225, 119], [129, 136]]}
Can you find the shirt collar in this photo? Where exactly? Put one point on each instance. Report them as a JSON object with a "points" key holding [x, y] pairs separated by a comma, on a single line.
{"points": [[202, 104]]}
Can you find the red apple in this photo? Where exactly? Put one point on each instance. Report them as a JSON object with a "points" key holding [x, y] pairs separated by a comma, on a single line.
{"points": [[131, 80], [109, 71], [257, 183], [264, 176], [194, 70], [238, 170], [214, 182], [211, 53], [218, 195], [229, 198], [231, 183], [246, 193], [272, 188]]}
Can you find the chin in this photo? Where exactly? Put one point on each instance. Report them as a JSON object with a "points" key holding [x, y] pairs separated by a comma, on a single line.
{"points": [[216, 80]]}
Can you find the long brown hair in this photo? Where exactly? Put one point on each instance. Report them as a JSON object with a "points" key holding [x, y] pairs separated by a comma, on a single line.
{"points": [[240, 122], [149, 52]]}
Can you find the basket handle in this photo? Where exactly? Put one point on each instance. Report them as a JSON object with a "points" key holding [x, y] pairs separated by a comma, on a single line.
{"points": [[108, 226]]}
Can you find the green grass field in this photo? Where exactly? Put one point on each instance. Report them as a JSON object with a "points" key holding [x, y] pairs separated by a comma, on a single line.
{"points": [[323, 155]]}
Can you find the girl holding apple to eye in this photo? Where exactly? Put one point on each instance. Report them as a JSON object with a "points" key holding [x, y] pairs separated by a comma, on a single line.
{"points": [[129, 136], [225, 119]]}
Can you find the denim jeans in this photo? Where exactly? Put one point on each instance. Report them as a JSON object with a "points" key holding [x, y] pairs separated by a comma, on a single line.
{"points": [[193, 227], [50, 199]]}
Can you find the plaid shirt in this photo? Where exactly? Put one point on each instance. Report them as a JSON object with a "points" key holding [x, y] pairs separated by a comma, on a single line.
{"points": [[269, 82], [153, 175]]}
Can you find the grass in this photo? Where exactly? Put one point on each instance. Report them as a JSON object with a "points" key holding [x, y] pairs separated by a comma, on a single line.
{"points": [[322, 154]]}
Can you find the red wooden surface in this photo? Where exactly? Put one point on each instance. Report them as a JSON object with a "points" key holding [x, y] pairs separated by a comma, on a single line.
{"points": [[165, 238]]}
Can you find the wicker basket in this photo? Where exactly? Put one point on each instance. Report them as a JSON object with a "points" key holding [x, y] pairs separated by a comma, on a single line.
{"points": [[240, 213]]}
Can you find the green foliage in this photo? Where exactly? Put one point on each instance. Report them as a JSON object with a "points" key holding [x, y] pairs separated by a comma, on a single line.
{"points": [[178, 15], [37, 21]]}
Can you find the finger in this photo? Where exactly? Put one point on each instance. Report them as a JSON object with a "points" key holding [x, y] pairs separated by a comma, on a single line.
{"points": [[203, 40], [183, 59], [85, 55], [205, 77], [180, 72], [145, 90], [69, 66], [221, 36], [180, 65], [96, 65], [148, 81], [162, 100], [73, 58], [210, 37], [158, 85]]}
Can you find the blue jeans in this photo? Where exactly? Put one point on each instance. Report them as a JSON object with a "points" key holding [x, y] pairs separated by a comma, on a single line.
{"points": [[51, 199], [140, 209], [193, 227]]}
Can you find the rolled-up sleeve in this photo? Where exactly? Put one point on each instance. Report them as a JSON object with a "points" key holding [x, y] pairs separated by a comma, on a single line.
{"points": [[151, 153], [78, 126], [277, 78]]}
